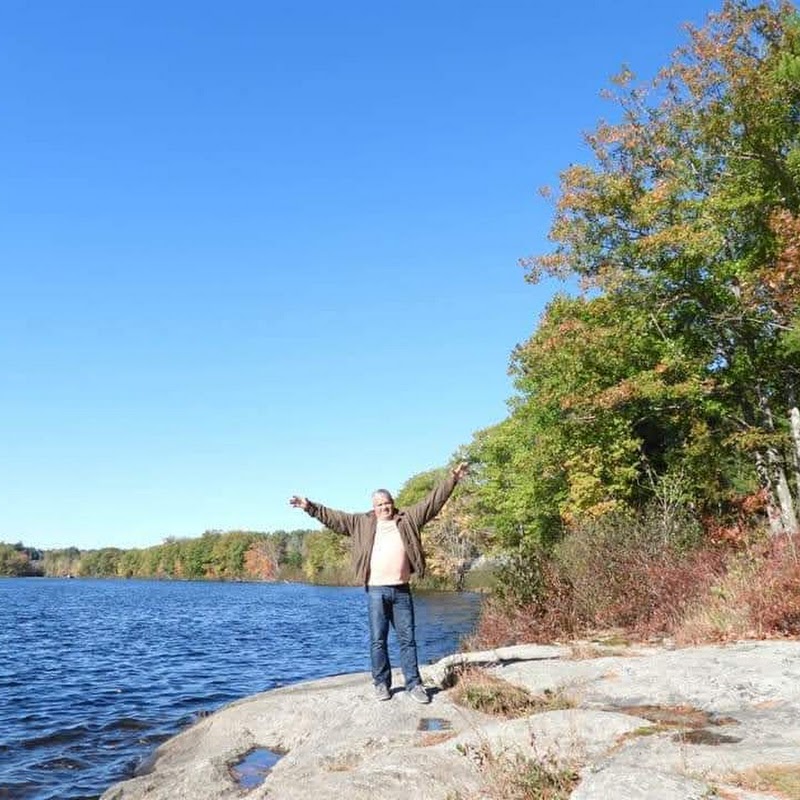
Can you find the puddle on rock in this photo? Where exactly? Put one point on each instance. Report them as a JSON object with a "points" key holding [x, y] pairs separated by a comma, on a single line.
{"points": [[253, 767], [434, 724], [704, 736]]}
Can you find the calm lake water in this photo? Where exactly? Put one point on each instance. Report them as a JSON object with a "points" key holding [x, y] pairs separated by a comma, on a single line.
{"points": [[95, 674]]}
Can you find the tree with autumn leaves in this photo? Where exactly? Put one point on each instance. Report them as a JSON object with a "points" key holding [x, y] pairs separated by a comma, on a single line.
{"points": [[675, 371]]}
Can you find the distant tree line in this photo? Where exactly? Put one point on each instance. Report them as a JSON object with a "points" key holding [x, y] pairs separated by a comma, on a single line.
{"points": [[314, 556], [216, 555]]}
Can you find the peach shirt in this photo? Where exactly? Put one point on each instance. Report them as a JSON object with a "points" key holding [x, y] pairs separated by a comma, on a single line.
{"points": [[389, 565]]}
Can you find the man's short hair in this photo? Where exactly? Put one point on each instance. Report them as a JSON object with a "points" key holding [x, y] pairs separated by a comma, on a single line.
{"points": [[385, 493]]}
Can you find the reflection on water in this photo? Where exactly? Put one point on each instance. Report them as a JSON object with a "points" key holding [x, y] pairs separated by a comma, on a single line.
{"points": [[95, 674]]}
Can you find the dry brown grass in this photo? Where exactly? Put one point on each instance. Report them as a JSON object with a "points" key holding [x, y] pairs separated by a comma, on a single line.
{"points": [[676, 716], [582, 651], [644, 730], [719, 591], [758, 597], [783, 780], [431, 738], [480, 690], [518, 777]]}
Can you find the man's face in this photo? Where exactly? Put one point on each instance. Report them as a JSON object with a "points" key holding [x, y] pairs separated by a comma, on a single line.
{"points": [[383, 506]]}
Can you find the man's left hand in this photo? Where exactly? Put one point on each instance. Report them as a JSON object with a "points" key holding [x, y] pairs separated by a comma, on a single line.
{"points": [[461, 470]]}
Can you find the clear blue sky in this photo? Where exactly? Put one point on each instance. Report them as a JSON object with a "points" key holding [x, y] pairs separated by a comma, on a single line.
{"points": [[250, 249]]}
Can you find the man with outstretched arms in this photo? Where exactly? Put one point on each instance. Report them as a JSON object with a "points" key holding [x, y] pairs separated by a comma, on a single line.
{"points": [[386, 551]]}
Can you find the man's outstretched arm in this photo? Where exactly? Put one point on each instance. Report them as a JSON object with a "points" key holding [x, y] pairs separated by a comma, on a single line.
{"points": [[339, 521], [430, 505]]}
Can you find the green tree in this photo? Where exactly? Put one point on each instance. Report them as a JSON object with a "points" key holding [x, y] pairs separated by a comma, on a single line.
{"points": [[293, 556], [197, 555], [170, 564], [150, 562], [14, 561], [129, 564], [326, 557], [62, 562], [687, 225], [603, 400], [228, 553], [100, 563], [418, 486]]}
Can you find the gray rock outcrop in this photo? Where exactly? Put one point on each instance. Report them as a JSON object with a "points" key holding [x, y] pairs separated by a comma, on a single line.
{"points": [[645, 722]]}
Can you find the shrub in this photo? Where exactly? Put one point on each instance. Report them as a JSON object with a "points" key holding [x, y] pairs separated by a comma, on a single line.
{"points": [[780, 779], [774, 600], [482, 691], [757, 596], [615, 575], [515, 776], [618, 571]]}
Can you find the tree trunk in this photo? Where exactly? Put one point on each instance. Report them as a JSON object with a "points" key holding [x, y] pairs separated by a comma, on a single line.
{"points": [[794, 423], [785, 501], [773, 514], [777, 473]]}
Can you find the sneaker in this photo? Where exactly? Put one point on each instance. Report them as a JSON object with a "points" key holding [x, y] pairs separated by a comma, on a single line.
{"points": [[419, 693], [382, 692]]}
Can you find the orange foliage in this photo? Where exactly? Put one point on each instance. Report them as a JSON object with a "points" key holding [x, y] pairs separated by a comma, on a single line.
{"points": [[259, 562], [735, 529]]}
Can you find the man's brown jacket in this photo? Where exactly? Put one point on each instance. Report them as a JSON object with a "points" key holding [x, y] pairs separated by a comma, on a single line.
{"points": [[361, 527]]}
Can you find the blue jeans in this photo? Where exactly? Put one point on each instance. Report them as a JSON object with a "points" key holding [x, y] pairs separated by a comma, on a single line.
{"points": [[392, 605]]}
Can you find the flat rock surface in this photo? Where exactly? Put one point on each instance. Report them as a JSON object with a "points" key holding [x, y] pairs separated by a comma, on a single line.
{"points": [[646, 722]]}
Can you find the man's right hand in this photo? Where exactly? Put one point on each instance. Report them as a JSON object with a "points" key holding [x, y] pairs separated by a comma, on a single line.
{"points": [[299, 502]]}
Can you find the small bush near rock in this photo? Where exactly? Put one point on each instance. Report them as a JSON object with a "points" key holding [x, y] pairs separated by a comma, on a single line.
{"points": [[482, 691], [530, 779], [519, 777]]}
